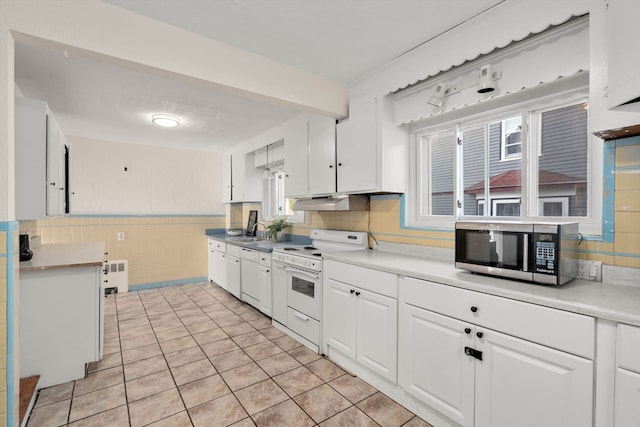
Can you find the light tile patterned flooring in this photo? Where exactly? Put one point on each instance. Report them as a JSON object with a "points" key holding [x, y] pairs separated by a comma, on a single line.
{"points": [[194, 355]]}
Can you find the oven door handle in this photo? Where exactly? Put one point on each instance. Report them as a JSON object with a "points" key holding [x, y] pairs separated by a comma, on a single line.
{"points": [[295, 270], [300, 316]]}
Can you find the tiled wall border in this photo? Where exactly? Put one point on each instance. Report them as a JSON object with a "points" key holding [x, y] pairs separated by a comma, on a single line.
{"points": [[10, 228]]}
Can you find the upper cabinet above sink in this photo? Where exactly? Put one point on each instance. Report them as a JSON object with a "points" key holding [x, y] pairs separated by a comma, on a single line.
{"points": [[371, 151]]}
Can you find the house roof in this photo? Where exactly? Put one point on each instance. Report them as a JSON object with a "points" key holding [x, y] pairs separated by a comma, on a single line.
{"points": [[511, 181]]}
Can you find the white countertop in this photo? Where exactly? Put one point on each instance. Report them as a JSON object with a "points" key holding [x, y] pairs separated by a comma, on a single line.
{"points": [[65, 255], [612, 302]]}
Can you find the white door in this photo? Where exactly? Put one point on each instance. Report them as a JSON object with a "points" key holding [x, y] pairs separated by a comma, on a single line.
{"points": [[250, 277], [322, 156], [53, 166], [265, 290], [377, 328], [340, 318], [220, 269], [529, 385], [279, 281], [211, 262], [432, 364], [295, 161], [627, 398], [357, 146], [233, 276]]}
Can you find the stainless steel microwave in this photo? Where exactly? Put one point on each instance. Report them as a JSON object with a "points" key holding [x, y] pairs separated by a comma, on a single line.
{"points": [[540, 253]]}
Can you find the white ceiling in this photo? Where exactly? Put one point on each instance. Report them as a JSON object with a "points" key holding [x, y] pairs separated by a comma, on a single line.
{"points": [[339, 39]]}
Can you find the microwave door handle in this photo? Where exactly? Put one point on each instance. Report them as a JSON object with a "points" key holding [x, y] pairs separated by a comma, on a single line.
{"points": [[525, 252]]}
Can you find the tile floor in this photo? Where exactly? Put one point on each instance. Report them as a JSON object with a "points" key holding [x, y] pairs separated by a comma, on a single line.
{"points": [[193, 355]]}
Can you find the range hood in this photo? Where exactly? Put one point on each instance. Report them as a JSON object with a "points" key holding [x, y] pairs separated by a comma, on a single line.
{"points": [[347, 202]]}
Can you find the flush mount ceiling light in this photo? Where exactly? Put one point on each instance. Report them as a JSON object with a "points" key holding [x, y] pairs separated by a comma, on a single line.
{"points": [[165, 120]]}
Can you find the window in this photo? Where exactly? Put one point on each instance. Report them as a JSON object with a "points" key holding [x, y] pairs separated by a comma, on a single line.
{"points": [[528, 162], [511, 141], [275, 203]]}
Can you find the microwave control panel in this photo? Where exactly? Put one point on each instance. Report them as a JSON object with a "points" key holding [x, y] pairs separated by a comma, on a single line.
{"points": [[546, 246]]}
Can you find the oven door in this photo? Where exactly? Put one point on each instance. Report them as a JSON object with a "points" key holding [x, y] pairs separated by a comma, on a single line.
{"points": [[304, 293]]}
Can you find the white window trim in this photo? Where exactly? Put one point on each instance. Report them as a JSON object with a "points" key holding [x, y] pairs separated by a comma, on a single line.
{"points": [[591, 224], [496, 202], [269, 200]]}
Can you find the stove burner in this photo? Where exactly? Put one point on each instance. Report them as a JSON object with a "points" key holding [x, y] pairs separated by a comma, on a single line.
{"points": [[311, 248], [288, 248]]}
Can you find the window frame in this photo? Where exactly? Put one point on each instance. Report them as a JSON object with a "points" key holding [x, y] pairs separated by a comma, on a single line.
{"points": [[531, 110], [274, 196], [504, 156]]}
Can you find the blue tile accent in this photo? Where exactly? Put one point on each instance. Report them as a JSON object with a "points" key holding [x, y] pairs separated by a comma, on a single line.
{"points": [[163, 284], [608, 191], [10, 228]]}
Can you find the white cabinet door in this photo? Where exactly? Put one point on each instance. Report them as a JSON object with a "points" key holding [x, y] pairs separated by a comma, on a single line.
{"points": [[211, 258], [220, 269], [233, 176], [279, 297], [357, 147], [377, 330], [529, 385], [296, 151], [322, 156], [233, 276], [623, 55], [265, 290], [627, 399], [340, 317], [432, 364]]}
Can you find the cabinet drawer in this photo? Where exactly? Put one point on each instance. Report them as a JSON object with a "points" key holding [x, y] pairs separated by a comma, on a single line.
{"points": [[217, 245], [265, 259], [303, 325], [629, 348], [365, 278], [571, 332], [233, 250]]}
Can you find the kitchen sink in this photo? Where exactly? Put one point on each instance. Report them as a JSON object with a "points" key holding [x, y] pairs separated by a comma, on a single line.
{"points": [[246, 239]]}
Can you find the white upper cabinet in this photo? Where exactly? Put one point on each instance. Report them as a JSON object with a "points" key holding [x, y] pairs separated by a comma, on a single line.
{"points": [[310, 158], [371, 151], [322, 156], [40, 161], [295, 160], [241, 180], [623, 53]]}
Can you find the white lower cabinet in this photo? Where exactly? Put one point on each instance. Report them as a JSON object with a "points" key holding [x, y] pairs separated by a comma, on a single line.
{"points": [[627, 377], [360, 323], [476, 376], [264, 283], [220, 269]]}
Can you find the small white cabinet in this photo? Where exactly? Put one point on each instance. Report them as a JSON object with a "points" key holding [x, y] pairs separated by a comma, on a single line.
{"points": [[450, 359], [233, 271], [622, 52], [265, 283], [370, 148], [627, 377], [360, 316], [217, 262], [310, 156], [40, 161], [279, 282]]}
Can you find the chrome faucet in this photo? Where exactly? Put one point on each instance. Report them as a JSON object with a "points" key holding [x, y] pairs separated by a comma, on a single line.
{"points": [[255, 229]]}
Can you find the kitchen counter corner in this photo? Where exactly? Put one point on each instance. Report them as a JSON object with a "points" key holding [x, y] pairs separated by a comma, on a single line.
{"points": [[65, 255]]}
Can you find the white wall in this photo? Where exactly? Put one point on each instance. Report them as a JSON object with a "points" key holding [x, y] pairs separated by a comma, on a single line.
{"points": [[158, 180]]}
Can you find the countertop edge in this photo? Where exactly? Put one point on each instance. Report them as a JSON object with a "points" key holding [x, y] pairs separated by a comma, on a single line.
{"points": [[578, 296]]}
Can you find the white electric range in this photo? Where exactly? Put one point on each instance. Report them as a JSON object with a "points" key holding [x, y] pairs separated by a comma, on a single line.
{"points": [[297, 282]]}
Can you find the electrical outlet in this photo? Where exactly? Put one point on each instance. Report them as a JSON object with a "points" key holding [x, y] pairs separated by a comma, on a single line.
{"points": [[589, 270], [120, 235]]}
